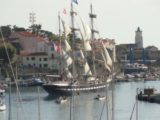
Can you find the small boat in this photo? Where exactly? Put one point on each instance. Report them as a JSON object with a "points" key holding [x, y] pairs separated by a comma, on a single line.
{"points": [[61, 99], [99, 97], [150, 77], [149, 95], [2, 92], [36, 82], [33, 81], [130, 68], [2, 106]]}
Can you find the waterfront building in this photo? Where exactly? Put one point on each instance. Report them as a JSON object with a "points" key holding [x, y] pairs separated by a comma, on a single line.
{"points": [[29, 42], [35, 51]]}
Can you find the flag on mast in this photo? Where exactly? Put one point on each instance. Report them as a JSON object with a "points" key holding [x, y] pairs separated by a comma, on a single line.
{"points": [[57, 47], [64, 11]]}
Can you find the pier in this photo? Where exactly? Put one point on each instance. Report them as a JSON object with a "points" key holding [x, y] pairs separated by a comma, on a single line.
{"points": [[149, 95]]}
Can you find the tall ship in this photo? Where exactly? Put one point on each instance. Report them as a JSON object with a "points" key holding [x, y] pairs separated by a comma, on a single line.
{"points": [[85, 64]]}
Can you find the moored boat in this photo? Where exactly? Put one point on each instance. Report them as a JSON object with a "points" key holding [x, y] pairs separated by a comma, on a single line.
{"points": [[149, 95], [2, 92], [2, 106], [61, 99], [130, 68], [100, 97]]}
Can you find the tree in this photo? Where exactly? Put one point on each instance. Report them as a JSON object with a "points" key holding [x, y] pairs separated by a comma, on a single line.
{"points": [[54, 37], [18, 29], [6, 31], [36, 28], [49, 34], [3, 52]]}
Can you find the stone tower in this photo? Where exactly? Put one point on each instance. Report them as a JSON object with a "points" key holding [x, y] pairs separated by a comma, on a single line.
{"points": [[138, 38]]}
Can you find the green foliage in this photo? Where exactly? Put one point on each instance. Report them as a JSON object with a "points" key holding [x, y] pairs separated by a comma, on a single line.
{"points": [[6, 31], [18, 29], [54, 37], [11, 51], [36, 28], [49, 34]]}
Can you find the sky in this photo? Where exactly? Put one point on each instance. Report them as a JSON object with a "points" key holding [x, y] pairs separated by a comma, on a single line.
{"points": [[116, 19]]}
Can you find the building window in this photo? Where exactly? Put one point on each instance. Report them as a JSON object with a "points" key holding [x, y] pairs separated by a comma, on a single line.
{"points": [[32, 58], [27, 58], [39, 59], [45, 65], [45, 59], [40, 65]]}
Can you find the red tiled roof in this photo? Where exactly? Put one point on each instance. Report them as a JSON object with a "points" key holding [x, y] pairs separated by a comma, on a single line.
{"points": [[24, 53], [26, 34], [29, 34]]}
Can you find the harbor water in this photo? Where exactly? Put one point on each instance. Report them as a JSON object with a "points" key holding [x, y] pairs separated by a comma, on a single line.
{"points": [[34, 106]]}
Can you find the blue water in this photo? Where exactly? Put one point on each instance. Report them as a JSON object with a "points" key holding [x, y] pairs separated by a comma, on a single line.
{"points": [[84, 107]]}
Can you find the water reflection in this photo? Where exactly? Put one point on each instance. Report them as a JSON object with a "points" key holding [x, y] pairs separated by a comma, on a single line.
{"points": [[84, 106]]}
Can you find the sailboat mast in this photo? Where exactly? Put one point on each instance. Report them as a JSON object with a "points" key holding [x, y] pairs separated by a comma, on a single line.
{"points": [[10, 107], [39, 112], [72, 13], [73, 38], [92, 16], [59, 25], [137, 104]]}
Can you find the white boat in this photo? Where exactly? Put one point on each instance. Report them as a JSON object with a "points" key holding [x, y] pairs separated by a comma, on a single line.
{"points": [[2, 92], [99, 97], [61, 99], [129, 76], [2, 106], [130, 68]]}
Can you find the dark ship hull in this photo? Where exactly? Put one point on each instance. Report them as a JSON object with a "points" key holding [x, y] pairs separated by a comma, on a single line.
{"points": [[71, 89]]}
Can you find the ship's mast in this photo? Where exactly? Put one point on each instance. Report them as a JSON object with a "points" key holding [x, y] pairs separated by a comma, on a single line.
{"points": [[92, 16], [59, 25], [72, 13], [73, 38]]}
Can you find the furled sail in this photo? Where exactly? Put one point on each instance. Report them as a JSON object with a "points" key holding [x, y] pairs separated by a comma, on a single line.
{"points": [[68, 73], [87, 70], [105, 62], [86, 43], [86, 34], [107, 56], [67, 58], [87, 46], [66, 28], [67, 47]]}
